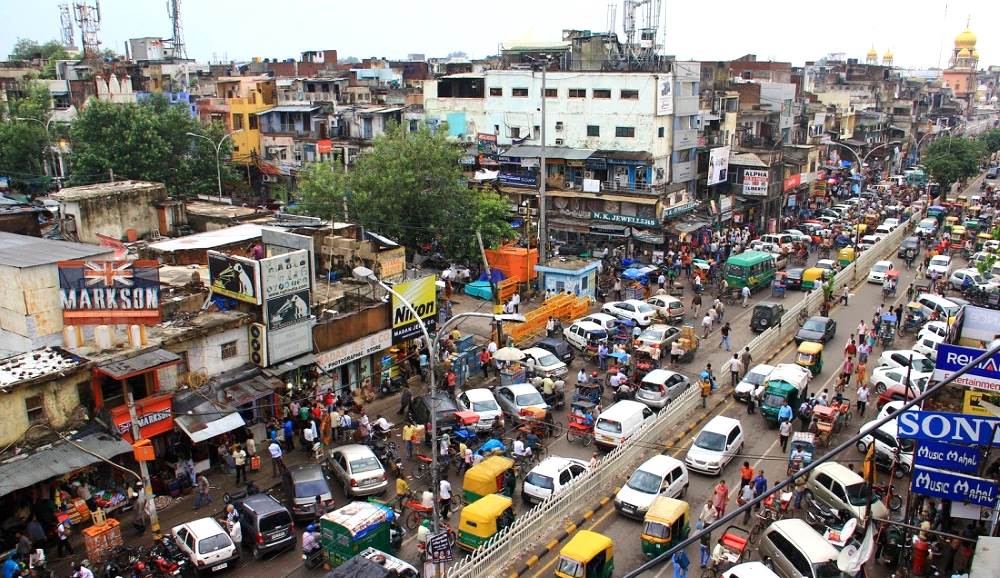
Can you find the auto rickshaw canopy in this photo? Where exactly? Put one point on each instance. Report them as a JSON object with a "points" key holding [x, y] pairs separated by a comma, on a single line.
{"points": [[810, 347], [846, 255], [586, 544], [666, 510], [480, 517], [485, 478]]}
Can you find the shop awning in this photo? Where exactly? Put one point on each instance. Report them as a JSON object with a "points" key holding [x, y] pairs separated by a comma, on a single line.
{"points": [[291, 365], [624, 155], [645, 200], [208, 420], [141, 363], [534, 152], [58, 459], [687, 226], [856, 142], [250, 390]]}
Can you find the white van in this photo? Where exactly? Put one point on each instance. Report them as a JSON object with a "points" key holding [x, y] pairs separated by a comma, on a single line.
{"points": [[794, 548], [580, 333], [617, 423], [778, 238]]}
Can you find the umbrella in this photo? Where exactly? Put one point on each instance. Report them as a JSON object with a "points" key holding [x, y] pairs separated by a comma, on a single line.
{"points": [[508, 354]]}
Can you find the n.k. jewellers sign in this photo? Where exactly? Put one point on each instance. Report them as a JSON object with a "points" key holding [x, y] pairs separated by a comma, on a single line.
{"points": [[624, 219]]}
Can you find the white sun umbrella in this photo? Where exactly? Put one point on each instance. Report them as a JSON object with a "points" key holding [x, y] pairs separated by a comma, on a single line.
{"points": [[508, 354]]}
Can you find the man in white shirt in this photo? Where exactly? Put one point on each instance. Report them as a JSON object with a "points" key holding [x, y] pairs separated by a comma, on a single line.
{"points": [[277, 461], [382, 425], [515, 300], [520, 450], [581, 377], [745, 293], [444, 491]]}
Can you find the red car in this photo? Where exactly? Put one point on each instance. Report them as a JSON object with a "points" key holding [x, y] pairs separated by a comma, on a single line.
{"points": [[896, 392]]}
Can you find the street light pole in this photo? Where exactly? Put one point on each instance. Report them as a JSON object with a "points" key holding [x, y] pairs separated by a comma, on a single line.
{"points": [[48, 141], [147, 486], [218, 151]]}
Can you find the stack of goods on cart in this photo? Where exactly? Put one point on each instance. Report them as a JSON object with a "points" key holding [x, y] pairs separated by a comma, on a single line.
{"points": [[110, 500], [688, 339], [101, 539]]}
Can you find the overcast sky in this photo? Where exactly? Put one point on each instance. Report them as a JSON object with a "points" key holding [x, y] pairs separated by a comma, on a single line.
{"points": [[920, 32]]}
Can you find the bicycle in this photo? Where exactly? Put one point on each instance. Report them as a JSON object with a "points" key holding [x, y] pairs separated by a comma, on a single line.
{"points": [[414, 514], [763, 519], [423, 466]]}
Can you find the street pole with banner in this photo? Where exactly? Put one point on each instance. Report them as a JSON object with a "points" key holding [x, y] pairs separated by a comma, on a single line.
{"points": [[147, 486]]}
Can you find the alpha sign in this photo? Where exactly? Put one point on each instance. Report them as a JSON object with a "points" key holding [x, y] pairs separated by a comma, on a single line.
{"points": [[957, 428], [954, 487], [951, 358]]}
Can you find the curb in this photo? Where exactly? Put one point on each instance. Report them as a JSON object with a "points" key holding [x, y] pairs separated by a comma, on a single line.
{"points": [[567, 531]]}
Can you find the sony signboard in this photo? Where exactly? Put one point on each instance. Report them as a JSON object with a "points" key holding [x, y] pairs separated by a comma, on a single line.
{"points": [[955, 428], [109, 292], [951, 358]]}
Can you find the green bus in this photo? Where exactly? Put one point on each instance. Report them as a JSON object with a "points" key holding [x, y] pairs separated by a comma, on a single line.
{"points": [[754, 269]]}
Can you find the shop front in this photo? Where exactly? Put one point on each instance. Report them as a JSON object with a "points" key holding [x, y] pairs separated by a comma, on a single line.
{"points": [[139, 375], [349, 365]]}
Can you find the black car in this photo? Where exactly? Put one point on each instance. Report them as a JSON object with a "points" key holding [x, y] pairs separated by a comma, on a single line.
{"points": [[765, 316], [266, 525], [793, 278], [444, 406], [557, 347], [910, 245], [818, 329]]}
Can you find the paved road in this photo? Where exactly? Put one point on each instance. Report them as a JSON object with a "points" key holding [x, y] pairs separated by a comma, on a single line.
{"points": [[761, 448]]}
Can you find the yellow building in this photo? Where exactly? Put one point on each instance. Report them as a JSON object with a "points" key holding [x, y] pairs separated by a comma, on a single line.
{"points": [[243, 116]]}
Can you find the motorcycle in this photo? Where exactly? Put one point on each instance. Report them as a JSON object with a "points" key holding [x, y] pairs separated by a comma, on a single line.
{"points": [[820, 516], [166, 548], [390, 386], [248, 490]]}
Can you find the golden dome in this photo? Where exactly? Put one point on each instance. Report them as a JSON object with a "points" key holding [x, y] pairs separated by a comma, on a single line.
{"points": [[965, 40], [872, 54], [964, 53], [975, 54], [887, 55]]}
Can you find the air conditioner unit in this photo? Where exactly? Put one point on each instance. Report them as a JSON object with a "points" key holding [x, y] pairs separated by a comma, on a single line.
{"points": [[258, 345], [588, 174], [559, 125], [559, 141]]}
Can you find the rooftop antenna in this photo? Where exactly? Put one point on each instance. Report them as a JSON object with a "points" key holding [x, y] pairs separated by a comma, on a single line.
{"points": [[641, 29], [88, 18], [66, 27], [174, 9]]}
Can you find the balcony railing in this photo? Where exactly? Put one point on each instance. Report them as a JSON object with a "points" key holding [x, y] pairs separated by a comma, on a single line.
{"points": [[608, 186]]}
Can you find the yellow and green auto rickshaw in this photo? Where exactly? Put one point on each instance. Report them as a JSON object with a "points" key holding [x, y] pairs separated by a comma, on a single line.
{"points": [[846, 256], [949, 222], [981, 239], [667, 522], [810, 356], [482, 519], [487, 477], [971, 224], [813, 277], [956, 238], [587, 555]]}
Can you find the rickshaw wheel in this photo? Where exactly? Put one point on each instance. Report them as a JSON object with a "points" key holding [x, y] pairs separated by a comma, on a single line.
{"points": [[570, 436], [412, 520], [587, 440]]}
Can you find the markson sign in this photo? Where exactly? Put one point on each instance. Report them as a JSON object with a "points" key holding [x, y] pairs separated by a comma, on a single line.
{"points": [[951, 358], [109, 292]]}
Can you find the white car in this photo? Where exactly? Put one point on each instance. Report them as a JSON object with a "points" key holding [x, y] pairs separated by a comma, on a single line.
{"points": [[882, 231], [939, 263], [885, 377], [633, 309], [957, 279], [206, 544], [516, 397], [715, 445], [902, 358], [753, 378], [928, 344], [481, 402], [607, 322], [827, 219], [991, 246], [798, 235], [867, 242], [670, 308], [891, 407], [545, 363], [888, 444], [551, 476], [879, 271], [660, 475], [828, 264], [358, 470], [927, 226], [892, 223], [939, 328]]}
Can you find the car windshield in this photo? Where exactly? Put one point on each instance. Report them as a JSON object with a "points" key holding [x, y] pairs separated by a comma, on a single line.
{"points": [[485, 405], [951, 310], [539, 481], [644, 308], [814, 324], [365, 465], [940, 261], [708, 440], [547, 360], [880, 267], [906, 445], [923, 365], [755, 377], [609, 426], [213, 543], [311, 488], [645, 482], [774, 400], [652, 335], [569, 567], [857, 494], [530, 398]]}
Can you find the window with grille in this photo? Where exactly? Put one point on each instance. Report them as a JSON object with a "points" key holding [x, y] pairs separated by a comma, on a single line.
{"points": [[519, 92], [35, 406], [578, 93], [602, 93], [496, 91], [629, 94], [625, 131], [228, 350], [593, 130]]}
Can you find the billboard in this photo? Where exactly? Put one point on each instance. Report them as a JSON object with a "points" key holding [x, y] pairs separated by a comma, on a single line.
{"points": [[665, 95], [284, 274], [422, 294], [289, 342], [979, 326], [109, 292], [951, 358], [155, 416], [718, 165], [235, 277], [957, 428], [287, 309], [954, 487], [755, 182], [279, 242]]}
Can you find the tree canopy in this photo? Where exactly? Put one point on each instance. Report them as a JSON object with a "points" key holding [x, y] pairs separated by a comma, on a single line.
{"points": [[28, 49], [410, 187], [950, 159], [24, 143], [146, 141], [991, 140]]}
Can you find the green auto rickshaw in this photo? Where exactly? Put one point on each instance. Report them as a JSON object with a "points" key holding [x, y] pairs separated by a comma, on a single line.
{"points": [[482, 519], [810, 356], [667, 522]]}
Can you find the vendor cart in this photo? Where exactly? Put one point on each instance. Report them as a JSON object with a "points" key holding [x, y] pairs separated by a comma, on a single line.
{"points": [[779, 284], [824, 420]]}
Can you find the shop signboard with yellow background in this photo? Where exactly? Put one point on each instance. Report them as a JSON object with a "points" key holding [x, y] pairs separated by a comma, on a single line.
{"points": [[973, 403], [422, 295]]}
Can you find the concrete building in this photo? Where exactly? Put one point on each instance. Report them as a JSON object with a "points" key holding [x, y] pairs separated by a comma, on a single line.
{"points": [[123, 210], [30, 311]]}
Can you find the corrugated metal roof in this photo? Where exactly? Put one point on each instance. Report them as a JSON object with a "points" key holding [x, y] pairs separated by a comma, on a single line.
{"points": [[292, 108], [126, 367], [532, 152], [209, 239], [22, 251], [60, 458], [746, 160]]}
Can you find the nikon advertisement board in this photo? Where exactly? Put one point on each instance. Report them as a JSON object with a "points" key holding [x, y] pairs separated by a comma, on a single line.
{"points": [[422, 294]]}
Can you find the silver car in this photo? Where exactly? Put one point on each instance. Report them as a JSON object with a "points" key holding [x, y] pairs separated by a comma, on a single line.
{"points": [[660, 387], [357, 468]]}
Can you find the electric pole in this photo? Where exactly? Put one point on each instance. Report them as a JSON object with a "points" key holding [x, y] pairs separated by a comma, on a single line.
{"points": [[147, 487], [543, 233]]}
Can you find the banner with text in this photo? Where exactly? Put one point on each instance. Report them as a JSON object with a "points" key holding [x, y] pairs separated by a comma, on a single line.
{"points": [[755, 182], [422, 295], [109, 292]]}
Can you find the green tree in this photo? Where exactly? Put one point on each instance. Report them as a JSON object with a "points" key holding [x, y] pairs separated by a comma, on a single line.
{"points": [[410, 187], [24, 143], [51, 51], [146, 141], [950, 159], [991, 140]]}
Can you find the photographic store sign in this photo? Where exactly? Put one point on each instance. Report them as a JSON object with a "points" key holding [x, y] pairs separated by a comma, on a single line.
{"points": [[109, 292], [285, 282], [954, 487], [355, 350]]}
